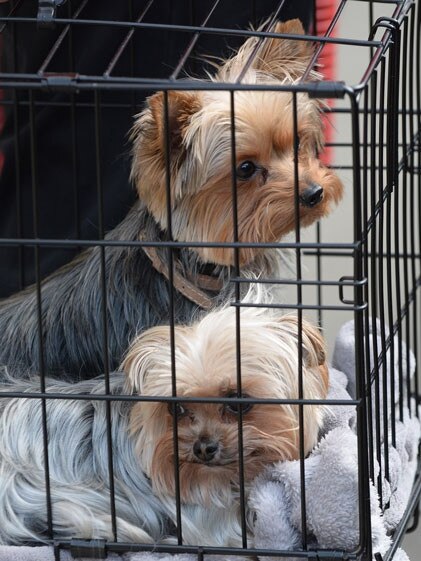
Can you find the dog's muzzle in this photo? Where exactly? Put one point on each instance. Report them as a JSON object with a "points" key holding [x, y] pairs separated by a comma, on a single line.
{"points": [[205, 449], [312, 195]]}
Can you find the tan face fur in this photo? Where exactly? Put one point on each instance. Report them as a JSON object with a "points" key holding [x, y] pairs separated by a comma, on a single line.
{"points": [[208, 432], [200, 140]]}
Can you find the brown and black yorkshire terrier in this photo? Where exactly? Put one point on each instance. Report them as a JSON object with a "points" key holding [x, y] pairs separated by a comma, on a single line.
{"points": [[201, 161], [140, 291]]}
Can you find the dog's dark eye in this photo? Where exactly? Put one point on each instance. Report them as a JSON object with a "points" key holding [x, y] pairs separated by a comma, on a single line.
{"points": [[178, 408], [246, 170], [234, 407]]}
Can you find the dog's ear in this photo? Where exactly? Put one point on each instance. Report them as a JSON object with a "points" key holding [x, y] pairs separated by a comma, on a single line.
{"points": [[165, 113], [313, 344], [179, 106], [280, 58], [276, 54], [144, 356]]}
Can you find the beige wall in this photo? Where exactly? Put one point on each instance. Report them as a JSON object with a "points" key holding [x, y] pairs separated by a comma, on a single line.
{"points": [[354, 23]]}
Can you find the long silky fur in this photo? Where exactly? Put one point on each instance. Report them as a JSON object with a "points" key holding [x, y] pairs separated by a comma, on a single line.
{"points": [[141, 432], [79, 477], [137, 297]]}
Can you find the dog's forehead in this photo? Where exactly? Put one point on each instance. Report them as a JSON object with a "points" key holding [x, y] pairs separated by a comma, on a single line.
{"points": [[260, 107], [266, 119], [206, 358], [209, 357], [219, 385]]}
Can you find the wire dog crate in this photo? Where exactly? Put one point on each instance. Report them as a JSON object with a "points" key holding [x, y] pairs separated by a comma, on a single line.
{"points": [[67, 105]]}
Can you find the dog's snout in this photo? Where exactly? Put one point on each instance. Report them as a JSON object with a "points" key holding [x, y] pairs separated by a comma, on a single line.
{"points": [[312, 195], [205, 449]]}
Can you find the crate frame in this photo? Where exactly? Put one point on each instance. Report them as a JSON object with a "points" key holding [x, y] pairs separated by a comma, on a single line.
{"points": [[386, 65]]}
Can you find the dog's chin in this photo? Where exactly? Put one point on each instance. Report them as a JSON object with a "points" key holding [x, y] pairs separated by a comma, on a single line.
{"points": [[202, 484], [208, 484]]}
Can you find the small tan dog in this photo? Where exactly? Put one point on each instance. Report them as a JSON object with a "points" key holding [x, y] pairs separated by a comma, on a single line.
{"points": [[206, 367], [200, 129], [206, 415]]}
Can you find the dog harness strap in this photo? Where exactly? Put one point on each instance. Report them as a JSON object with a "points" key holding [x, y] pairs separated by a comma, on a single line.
{"points": [[180, 283]]}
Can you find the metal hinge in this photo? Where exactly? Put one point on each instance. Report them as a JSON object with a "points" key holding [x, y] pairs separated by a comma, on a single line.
{"points": [[47, 12]]}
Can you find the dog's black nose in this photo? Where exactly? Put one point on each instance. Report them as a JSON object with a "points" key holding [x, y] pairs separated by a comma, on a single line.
{"points": [[312, 195], [205, 449]]}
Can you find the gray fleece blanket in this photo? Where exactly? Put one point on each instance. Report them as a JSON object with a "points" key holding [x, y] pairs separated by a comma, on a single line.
{"points": [[46, 553], [331, 481], [331, 474]]}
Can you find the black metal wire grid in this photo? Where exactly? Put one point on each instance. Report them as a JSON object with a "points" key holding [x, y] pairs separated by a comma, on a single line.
{"points": [[383, 113]]}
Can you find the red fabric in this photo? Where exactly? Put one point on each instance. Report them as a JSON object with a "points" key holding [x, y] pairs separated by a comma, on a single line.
{"points": [[325, 10]]}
